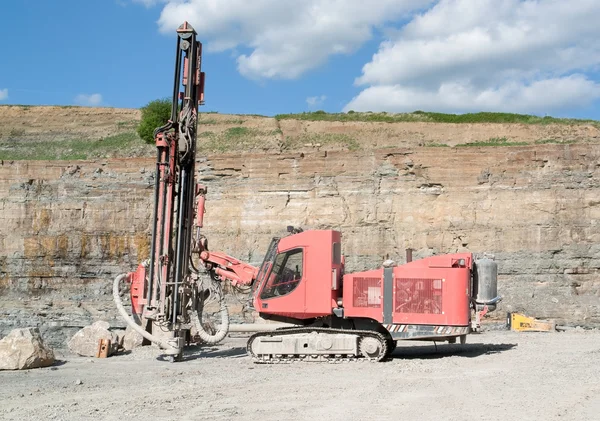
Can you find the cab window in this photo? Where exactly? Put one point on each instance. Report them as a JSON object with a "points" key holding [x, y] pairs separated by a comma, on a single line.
{"points": [[286, 274]]}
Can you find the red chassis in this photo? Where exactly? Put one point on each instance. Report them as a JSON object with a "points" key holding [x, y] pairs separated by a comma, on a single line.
{"points": [[304, 281]]}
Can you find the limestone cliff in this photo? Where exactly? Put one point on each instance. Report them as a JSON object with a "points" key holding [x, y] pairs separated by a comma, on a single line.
{"points": [[67, 228]]}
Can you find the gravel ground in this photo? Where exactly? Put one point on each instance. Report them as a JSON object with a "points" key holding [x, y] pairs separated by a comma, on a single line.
{"points": [[497, 375]]}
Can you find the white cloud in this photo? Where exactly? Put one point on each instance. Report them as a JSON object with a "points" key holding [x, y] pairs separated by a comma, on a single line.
{"points": [[92, 100], [538, 97], [313, 101], [3, 94], [464, 55], [285, 38]]}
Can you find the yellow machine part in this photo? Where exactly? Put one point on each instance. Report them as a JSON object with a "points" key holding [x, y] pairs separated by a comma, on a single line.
{"points": [[521, 323]]}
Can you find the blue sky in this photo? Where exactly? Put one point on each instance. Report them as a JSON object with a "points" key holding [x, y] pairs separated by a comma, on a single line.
{"points": [[277, 56]]}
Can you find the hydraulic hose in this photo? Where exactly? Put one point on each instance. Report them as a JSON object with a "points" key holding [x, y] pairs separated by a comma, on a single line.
{"points": [[223, 329], [117, 298]]}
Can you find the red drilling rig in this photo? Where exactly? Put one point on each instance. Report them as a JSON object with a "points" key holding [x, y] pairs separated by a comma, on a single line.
{"points": [[336, 315]]}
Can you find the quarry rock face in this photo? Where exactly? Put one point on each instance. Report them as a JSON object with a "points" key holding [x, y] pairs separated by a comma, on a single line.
{"points": [[24, 348], [68, 228], [85, 342]]}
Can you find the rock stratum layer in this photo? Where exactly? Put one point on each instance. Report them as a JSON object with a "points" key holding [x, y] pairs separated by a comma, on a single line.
{"points": [[67, 228]]}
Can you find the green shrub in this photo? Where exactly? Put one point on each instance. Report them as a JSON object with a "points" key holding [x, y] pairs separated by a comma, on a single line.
{"points": [[154, 114], [237, 131]]}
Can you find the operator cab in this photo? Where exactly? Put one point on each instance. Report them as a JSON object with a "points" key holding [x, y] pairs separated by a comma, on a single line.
{"points": [[300, 277]]}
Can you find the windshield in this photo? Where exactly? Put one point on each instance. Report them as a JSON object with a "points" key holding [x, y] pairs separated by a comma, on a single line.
{"points": [[285, 275], [267, 265]]}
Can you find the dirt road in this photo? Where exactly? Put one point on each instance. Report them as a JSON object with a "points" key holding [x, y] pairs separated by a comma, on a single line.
{"points": [[497, 375]]}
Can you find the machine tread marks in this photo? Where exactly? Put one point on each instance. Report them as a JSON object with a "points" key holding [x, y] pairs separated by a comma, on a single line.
{"points": [[364, 350]]}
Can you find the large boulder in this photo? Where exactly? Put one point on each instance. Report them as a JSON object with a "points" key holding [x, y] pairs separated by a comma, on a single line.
{"points": [[85, 342], [24, 348]]}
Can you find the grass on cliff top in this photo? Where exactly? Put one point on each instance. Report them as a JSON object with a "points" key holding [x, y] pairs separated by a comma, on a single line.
{"points": [[236, 139], [422, 116], [71, 149], [493, 141]]}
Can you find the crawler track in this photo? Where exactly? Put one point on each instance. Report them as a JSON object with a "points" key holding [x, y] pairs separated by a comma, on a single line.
{"points": [[368, 346]]}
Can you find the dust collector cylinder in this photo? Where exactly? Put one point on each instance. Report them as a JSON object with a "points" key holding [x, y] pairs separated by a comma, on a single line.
{"points": [[485, 280]]}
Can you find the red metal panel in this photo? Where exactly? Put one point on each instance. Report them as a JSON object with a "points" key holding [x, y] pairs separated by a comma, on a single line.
{"points": [[137, 291], [418, 295], [366, 292], [357, 300], [430, 291], [433, 291]]}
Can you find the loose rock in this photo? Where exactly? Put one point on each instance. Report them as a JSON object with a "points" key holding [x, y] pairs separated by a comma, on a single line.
{"points": [[23, 349], [131, 339], [85, 342]]}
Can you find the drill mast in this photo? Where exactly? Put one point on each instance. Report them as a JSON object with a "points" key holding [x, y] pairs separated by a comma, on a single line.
{"points": [[174, 185], [169, 293]]}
